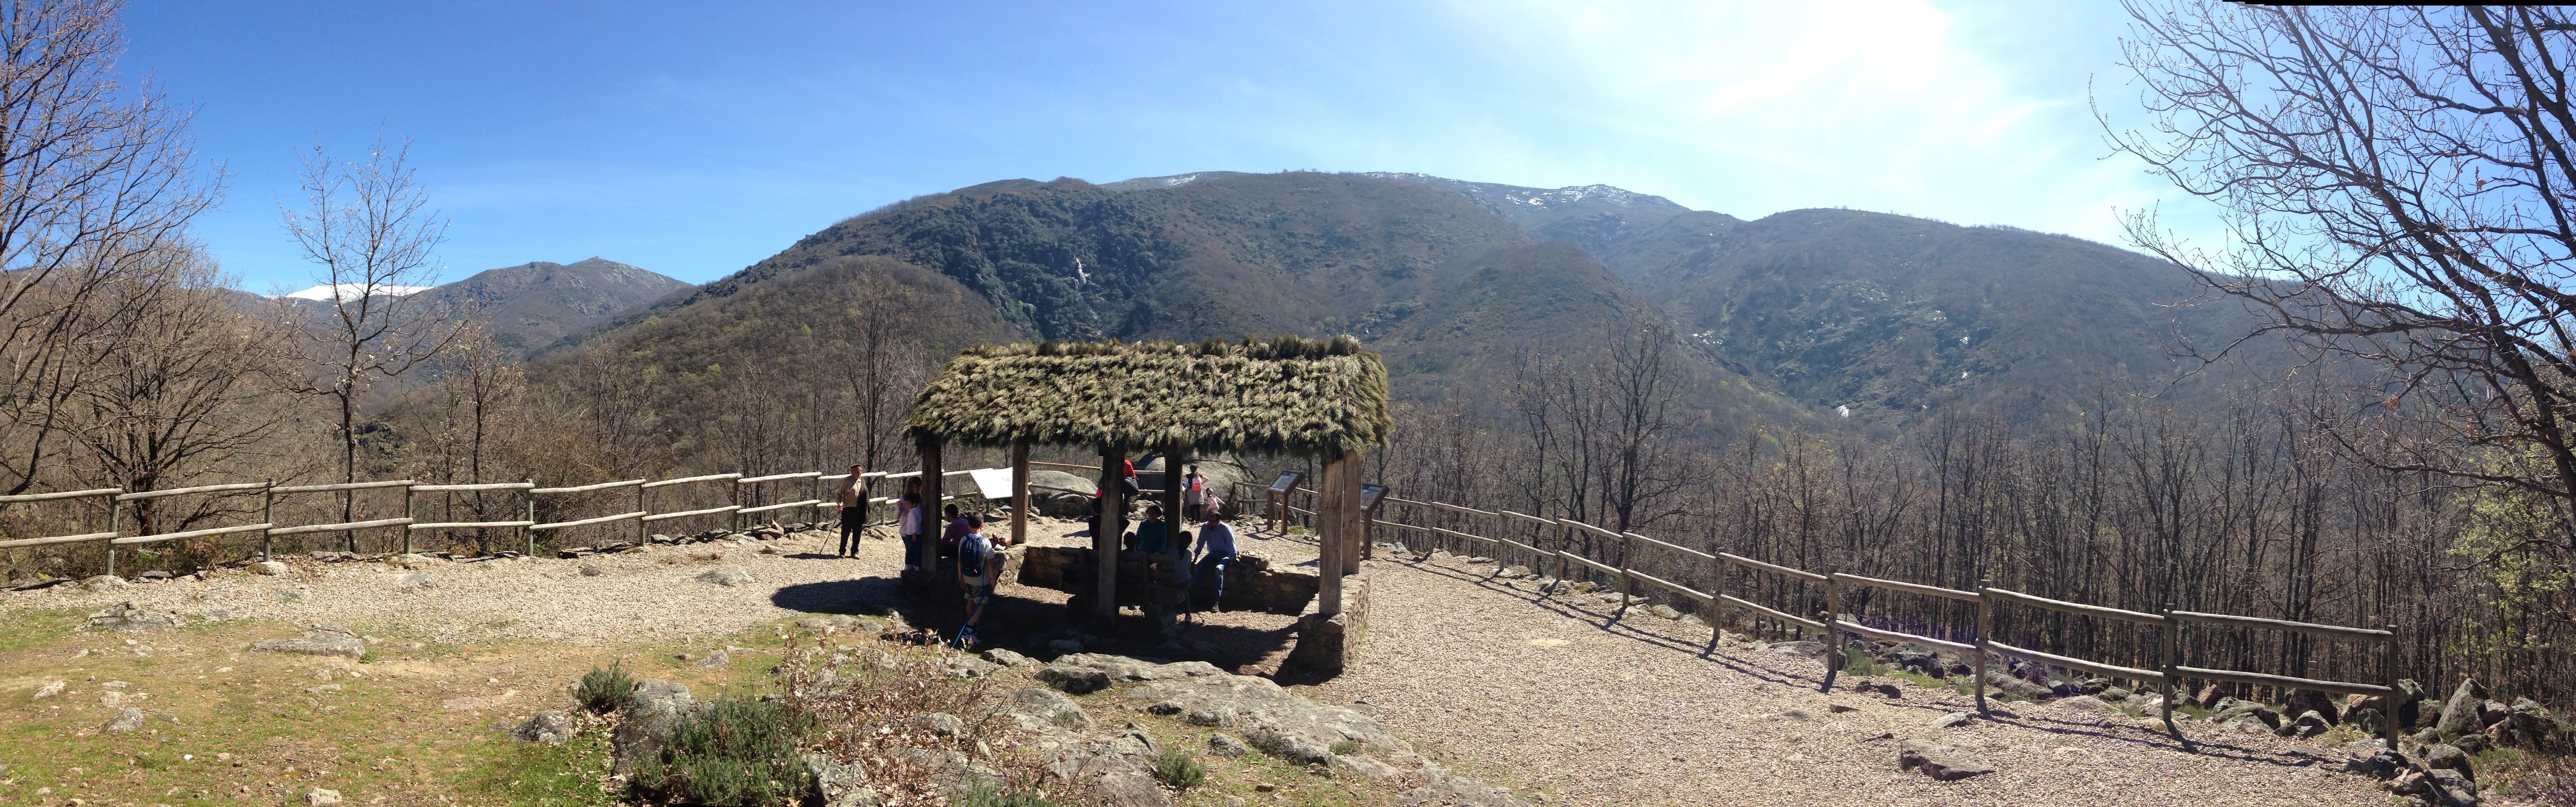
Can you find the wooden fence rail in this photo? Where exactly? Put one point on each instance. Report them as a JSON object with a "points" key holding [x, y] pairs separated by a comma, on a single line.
{"points": [[1833, 622]]}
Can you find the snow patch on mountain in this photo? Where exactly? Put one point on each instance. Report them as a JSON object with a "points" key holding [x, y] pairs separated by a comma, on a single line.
{"points": [[344, 292]]}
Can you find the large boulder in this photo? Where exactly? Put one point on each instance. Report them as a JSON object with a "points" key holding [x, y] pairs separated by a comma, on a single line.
{"points": [[1072, 506], [2305, 700], [2410, 698], [2460, 713], [652, 711], [2010, 685], [1941, 760], [1042, 710], [1074, 679], [2450, 757], [1268, 715], [324, 639], [1062, 482]]}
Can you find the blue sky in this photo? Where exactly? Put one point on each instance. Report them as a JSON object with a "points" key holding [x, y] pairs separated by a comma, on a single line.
{"points": [[694, 139]]}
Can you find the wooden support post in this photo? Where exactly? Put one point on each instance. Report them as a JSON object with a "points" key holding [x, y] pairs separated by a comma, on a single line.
{"points": [[1328, 565], [1833, 638], [1104, 539], [931, 526], [639, 522], [1985, 631], [1019, 493], [733, 496]]}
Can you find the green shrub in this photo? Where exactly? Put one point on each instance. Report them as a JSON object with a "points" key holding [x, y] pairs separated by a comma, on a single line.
{"points": [[1859, 663], [994, 794], [1180, 770], [1341, 747], [732, 751], [604, 691]]}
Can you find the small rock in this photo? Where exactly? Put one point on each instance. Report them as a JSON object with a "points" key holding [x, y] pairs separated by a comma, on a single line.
{"points": [[269, 567], [725, 576], [1164, 708], [128, 617], [50, 689], [548, 727], [126, 719], [1665, 611], [1838, 708], [1073, 680], [321, 797], [105, 582], [1953, 720], [2447, 756], [588, 570], [415, 580], [715, 659], [322, 640], [1007, 658], [1882, 690], [939, 724], [1940, 760]]}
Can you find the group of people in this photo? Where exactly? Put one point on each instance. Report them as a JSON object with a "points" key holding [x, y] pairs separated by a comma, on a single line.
{"points": [[963, 548]]}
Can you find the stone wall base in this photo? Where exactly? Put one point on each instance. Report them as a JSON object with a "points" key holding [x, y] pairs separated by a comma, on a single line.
{"points": [[1328, 644]]}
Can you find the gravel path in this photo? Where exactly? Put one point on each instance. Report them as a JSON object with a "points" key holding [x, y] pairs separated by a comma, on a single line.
{"points": [[1632, 714]]}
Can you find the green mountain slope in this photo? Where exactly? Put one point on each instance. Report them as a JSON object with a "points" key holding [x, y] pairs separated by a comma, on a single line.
{"points": [[535, 304]]}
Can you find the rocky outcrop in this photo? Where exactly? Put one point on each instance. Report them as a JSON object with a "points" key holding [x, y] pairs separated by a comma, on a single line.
{"points": [[126, 616], [1269, 716], [725, 576], [1941, 760], [324, 639], [645, 725]]}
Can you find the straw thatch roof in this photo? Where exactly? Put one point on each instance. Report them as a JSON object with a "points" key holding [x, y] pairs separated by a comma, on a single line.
{"points": [[1287, 395]]}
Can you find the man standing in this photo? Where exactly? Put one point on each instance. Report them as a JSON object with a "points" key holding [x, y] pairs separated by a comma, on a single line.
{"points": [[854, 512], [974, 577], [1215, 552]]}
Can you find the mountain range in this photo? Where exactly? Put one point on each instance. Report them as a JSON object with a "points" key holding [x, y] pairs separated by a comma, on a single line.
{"points": [[531, 305], [1838, 315]]}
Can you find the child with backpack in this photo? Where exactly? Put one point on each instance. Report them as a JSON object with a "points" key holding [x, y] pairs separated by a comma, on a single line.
{"points": [[975, 564]]}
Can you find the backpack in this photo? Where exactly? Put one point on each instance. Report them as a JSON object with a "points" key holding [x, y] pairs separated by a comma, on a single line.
{"points": [[974, 552]]}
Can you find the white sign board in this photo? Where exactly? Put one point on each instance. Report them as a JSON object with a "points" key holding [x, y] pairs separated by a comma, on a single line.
{"points": [[995, 482]]}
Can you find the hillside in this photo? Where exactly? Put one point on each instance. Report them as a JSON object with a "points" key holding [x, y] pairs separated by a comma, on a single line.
{"points": [[1855, 317], [536, 304], [1439, 284]]}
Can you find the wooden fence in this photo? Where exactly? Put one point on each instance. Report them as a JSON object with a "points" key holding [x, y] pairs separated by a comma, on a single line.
{"points": [[1834, 622], [746, 496]]}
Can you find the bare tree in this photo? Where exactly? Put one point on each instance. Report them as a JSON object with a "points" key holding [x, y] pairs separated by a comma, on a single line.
{"points": [[95, 175], [368, 229], [178, 388], [1646, 420], [2400, 190]]}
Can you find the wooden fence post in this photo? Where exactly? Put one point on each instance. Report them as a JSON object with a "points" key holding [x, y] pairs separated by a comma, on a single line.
{"points": [[267, 515], [2388, 705], [1985, 630], [1833, 638], [1627, 582], [640, 537], [2172, 681], [406, 514], [1716, 596], [528, 496], [113, 508]]}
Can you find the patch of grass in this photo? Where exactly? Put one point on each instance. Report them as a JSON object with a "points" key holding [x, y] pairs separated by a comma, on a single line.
{"points": [[1343, 747], [993, 794], [2499, 758], [1179, 770], [604, 690], [1859, 663], [545, 776], [24, 629], [732, 751]]}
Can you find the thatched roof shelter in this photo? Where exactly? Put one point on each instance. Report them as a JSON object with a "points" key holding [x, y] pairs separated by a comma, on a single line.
{"points": [[1317, 398]]}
